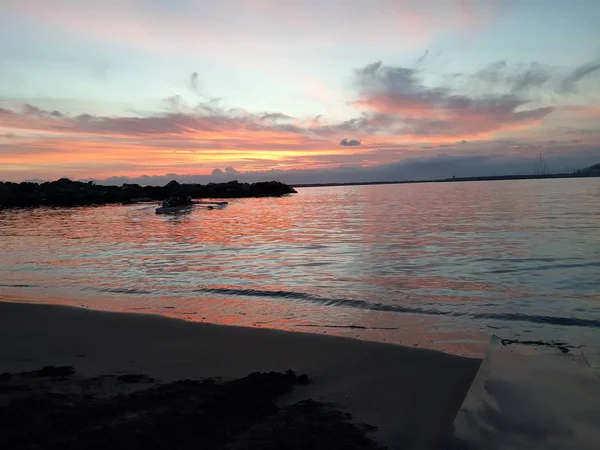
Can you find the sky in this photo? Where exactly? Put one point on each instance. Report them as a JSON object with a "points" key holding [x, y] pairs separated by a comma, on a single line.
{"points": [[311, 91]]}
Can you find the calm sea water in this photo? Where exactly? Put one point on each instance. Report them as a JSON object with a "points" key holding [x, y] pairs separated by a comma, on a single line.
{"points": [[441, 265]]}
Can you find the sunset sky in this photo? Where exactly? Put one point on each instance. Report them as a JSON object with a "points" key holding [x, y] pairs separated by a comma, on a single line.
{"points": [[303, 91]]}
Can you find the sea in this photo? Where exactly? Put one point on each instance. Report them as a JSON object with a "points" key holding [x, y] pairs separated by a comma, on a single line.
{"points": [[443, 266]]}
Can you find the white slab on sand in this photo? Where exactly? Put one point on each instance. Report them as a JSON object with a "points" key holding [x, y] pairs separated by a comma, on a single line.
{"points": [[530, 398]]}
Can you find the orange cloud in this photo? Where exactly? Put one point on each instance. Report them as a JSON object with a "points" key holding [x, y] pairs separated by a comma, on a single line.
{"points": [[157, 144]]}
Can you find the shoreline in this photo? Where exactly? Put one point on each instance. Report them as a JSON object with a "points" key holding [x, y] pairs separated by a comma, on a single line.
{"points": [[554, 176], [407, 330], [408, 394]]}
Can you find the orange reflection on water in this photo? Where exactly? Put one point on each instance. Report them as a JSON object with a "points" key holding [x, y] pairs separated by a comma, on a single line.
{"points": [[430, 264]]}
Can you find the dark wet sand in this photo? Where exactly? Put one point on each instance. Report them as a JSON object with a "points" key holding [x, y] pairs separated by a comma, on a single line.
{"points": [[410, 395]]}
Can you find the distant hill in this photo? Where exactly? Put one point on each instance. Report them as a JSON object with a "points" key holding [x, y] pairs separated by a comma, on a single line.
{"points": [[590, 171]]}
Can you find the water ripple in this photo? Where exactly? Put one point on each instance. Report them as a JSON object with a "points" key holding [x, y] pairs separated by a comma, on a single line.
{"points": [[360, 304]]}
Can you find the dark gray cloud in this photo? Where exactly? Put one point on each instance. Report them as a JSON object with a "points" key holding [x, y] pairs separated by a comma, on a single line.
{"points": [[493, 73], [376, 77], [517, 79], [349, 143], [195, 82], [569, 83], [533, 77], [366, 123], [275, 116], [525, 78], [174, 102], [217, 172], [31, 110], [422, 57]]}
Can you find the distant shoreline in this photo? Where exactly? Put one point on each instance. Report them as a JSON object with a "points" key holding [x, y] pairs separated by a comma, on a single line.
{"points": [[453, 180]]}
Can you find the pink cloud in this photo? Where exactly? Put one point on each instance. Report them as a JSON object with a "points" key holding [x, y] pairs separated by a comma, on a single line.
{"points": [[192, 26], [398, 96], [587, 111]]}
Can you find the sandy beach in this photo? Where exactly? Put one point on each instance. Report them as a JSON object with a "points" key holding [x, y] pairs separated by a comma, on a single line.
{"points": [[409, 395]]}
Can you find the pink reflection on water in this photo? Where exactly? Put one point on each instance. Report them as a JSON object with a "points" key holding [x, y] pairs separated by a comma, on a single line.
{"points": [[326, 259]]}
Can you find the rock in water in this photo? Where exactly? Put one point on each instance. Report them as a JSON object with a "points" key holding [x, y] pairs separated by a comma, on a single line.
{"points": [[65, 192]]}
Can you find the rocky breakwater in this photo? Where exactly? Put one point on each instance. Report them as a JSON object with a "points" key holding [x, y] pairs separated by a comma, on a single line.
{"points": [[65, 192]]}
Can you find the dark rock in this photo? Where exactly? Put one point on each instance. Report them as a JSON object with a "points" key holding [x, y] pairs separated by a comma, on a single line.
{"points": [[134, 378], [131, 187], [6, 376], [65, 192], [303, 379], [239, 414], [50, 372], [56, 372]]}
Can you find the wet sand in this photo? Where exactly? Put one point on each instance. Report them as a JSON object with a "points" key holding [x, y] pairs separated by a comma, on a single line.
{"points": [[410, 395]]}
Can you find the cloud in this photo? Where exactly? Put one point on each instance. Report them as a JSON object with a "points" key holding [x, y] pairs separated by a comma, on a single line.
{"points": [[217, 172], [33, 110], [534, 77], [195, 82], [422, 57], [569, 82], [402, 112], [193, 140], [515, 79], [186, 27], [349, 143], [416, 109], [174, 102], [275, 116]]}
